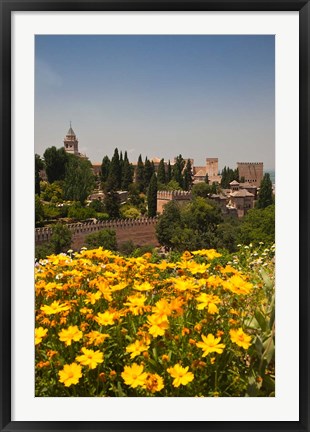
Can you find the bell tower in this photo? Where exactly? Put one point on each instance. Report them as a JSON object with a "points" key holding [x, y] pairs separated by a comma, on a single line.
{"points": [[71, 142]]}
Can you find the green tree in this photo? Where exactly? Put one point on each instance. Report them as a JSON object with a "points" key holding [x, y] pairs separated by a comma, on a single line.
{"points": [[53, 192], [39, 211], [127, 173], [258, 225], [38, 166], [152, 196], [78, 212], [140, 175], [167, 223], [187, 176], [114, 179], [135, 198], [56, 161], [228, 234], [105, 238], [203, 190], [148, 172], [169, 173], [161, 172], [79, 180], [105, 168], [177, 170], [61, 238], [265, 196], [112, 204], [229, 175]]}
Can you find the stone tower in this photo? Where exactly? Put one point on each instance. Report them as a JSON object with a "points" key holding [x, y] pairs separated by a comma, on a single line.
{"points": [[212, 166], [71, 142], [252, 172]]}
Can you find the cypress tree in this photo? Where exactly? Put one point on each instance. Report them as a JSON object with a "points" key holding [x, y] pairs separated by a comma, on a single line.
{"points": [[161, 173], [148, 172], [152, 196], [140, 175], [105, 168], [187, 176], [114, 179], [127, 174], [177, 170], [265, 197], [169, 173]]}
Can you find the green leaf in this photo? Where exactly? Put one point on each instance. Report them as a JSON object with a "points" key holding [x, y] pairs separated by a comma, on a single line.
{"points": [[263, 323], [269, 350], [259, 346]]}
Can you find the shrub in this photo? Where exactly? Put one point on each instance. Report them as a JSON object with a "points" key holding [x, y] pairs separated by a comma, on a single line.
{"points": [[105, 238]]}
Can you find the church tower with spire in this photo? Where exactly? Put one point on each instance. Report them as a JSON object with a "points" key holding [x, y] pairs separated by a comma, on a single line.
{"points": [[71, 142]]}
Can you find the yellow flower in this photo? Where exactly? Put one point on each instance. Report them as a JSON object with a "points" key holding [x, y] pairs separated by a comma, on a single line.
{"points": [[162, 309], [154, 383], [54, 308], [96, 338], [134, 375], [137, 348], [238, 285], [180, 375], [92, 297], [106, 318], [40, 333], [70, 374], [90, 358], [210, 344], [209, 253], [240, 338], [208, 301], [145, 286], [72, 333], [158, 326], [135, 304]]}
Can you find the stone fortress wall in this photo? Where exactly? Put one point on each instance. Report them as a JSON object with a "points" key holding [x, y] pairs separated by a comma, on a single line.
{"points": [[141, 231], [163, 197]]}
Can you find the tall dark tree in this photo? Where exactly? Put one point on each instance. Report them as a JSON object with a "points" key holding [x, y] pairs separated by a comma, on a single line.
{"points": [[207, 178], [148, 172], [79, 181], [187, 176], [152, 196], [127, 173], [140, 174], [112, 204], [161, 172], [177, 170], [38, 166], [114, 179], [105, 168], [265, 196], [56, 161], [169, 173]]}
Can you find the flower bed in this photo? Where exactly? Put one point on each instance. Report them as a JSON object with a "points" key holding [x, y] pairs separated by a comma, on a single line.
{"points": [[199, 324]]}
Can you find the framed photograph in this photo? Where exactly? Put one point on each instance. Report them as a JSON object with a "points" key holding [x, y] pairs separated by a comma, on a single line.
{"points": [[154, 215]]}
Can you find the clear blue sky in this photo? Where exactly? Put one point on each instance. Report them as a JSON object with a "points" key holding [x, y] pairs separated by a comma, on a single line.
{"points": [[199, 96]]}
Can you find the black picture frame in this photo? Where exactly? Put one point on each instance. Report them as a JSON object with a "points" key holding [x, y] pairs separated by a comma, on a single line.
{"points": [[6, 8]]}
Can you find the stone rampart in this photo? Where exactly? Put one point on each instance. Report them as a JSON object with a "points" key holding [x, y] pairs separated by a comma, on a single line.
{"points": [[141, 231], [176, 195]]}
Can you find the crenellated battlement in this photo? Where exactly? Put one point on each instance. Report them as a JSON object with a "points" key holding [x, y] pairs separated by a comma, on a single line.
{"points": [[43, 235], [175, 194], [250, 163]]}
